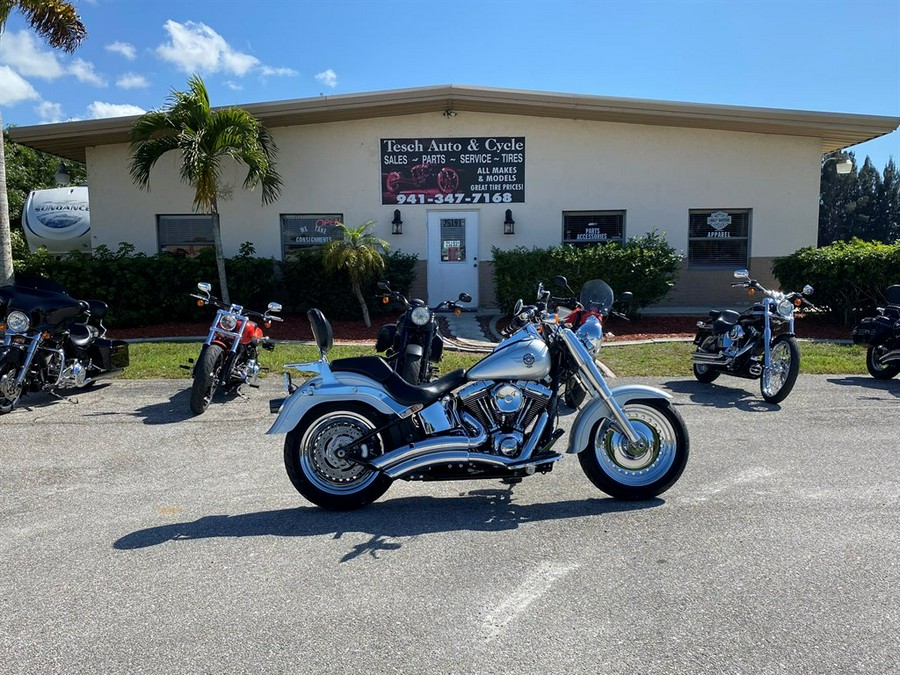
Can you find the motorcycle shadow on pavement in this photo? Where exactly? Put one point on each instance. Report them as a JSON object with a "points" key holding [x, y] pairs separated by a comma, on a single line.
{"points": [[176, 409], [388, 522], [722, 396], [869, 384]]}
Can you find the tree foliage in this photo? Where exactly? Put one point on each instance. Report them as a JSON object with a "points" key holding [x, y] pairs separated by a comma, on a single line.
{"points": [[358, 256], [205, 138], [27, 170], [863, 204]]}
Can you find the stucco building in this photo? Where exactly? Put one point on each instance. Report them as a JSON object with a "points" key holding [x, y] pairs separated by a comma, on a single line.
{"points": [[448, 172]]}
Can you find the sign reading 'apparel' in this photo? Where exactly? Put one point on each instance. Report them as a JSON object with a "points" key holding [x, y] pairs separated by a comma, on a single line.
{"points": [[467, 170]]}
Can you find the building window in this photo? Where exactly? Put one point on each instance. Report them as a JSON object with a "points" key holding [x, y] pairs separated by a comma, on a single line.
{"points": [[718, 237], [586, 228], [184, 235], [302, 231], [453, 239]]}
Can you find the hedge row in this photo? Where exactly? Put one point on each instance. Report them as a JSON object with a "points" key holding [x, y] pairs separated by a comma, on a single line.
{"points": [[647, 266], [848, 277], [142, 290]]}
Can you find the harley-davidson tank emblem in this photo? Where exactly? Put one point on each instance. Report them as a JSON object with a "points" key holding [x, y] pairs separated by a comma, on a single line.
{"points": [[528, 360]]}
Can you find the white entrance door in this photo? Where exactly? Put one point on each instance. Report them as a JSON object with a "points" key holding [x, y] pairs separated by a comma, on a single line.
{"points": [[452, 255]]}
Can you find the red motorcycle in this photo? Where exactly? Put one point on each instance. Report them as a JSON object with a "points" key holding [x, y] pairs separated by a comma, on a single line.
{"points": [[446, 179], [229, 356]]}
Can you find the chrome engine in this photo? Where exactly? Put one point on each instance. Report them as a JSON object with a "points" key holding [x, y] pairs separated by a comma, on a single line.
{"points": [[507, 410]]}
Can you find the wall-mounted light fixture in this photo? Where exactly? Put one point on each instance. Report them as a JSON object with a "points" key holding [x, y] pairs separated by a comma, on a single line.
{"points": [[509, 225], [843, 163], [449, 112], [62, 175], [397, 223]]}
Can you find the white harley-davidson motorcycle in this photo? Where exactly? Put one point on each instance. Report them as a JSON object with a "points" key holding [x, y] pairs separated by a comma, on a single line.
{"points": [[356, 426]]}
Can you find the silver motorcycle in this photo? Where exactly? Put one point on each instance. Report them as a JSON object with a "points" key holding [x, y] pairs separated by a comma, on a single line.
{"points": [[356, 426]]}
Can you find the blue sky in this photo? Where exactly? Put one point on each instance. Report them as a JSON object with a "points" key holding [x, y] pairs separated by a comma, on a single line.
{"points": [[824, 55]]}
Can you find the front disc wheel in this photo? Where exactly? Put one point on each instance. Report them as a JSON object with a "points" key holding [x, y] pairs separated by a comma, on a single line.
{"points": [[626, 471], [206, 377], [317, 467], [780, 376]]}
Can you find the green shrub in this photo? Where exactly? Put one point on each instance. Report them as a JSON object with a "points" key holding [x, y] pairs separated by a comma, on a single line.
{"points": [[646, 265], [848, 277], [142, 290]]}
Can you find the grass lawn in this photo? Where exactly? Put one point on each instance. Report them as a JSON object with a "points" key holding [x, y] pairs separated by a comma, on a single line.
{"points": [[662, 359]]}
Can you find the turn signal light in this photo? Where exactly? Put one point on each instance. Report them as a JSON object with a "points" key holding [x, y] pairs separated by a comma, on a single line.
{"points": [[385, 300], [268, 324], [200, 303], [457, 312], [751, 291], [3, 327]]}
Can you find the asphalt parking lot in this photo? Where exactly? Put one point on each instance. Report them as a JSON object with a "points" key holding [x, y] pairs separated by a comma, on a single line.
{"points": [[137, 538]]}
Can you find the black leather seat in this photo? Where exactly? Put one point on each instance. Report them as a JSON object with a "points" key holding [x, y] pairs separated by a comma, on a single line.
{"points": [[400, 390], [725, 321]]}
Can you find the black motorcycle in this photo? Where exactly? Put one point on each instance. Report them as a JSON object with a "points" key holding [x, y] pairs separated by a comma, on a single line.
{"points": [[229, 357], [414, 344], [758, 343], [882, 335], [52, 341]]}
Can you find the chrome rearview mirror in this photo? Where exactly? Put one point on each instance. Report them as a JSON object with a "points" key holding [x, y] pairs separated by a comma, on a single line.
{"points": [[204, 286], [274, 307], [741, 274], [807, 290]]}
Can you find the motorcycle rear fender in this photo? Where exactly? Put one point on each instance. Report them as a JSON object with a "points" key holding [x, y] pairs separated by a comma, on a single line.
{"points": [[330, 388], [597, 410]]}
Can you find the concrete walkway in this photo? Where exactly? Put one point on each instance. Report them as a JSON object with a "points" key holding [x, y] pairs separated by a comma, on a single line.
{"points": [[466, 328]]}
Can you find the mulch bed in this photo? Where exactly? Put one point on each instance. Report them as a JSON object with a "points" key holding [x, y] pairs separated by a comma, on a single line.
{"points": [[296, 327]]}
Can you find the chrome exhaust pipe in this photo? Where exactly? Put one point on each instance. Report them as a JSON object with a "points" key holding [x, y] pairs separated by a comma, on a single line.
{"points": [[709, 359], [431, 453], [893, 355], [431, 446]]}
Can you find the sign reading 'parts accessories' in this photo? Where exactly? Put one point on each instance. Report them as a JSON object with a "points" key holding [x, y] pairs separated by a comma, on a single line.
{"points": [[467, 170]]}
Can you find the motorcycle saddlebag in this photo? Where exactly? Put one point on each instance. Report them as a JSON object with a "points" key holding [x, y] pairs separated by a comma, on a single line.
{"points": [[113, 354], [872, 330], [385, 337]]}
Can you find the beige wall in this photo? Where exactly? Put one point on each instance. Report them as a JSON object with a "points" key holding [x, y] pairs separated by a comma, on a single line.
{"points": [[656, 174]]}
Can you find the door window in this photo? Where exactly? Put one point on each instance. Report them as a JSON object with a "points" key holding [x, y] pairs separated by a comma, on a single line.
{"points": [[453, 239]]}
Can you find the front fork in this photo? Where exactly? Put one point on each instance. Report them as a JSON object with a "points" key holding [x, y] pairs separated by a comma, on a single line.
{"points": [[596, 382], [34, 342], [767, 333]]}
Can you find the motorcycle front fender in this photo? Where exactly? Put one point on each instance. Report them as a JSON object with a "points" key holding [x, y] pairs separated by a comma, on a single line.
{"points": [[334, 388], [597, 409], [413, 349]]}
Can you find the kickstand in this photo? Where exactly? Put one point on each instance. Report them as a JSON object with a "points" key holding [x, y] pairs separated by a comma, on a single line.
{"points": [[67, 399]]}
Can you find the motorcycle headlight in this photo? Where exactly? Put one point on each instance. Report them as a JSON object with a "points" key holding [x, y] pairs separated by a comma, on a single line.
{"points": [[17, 322], [590, 334], [786, 308], [228, 322], [420, 315]]}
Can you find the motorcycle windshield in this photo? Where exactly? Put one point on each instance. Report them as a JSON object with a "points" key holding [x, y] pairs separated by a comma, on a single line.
{"points": [[596, 295]]}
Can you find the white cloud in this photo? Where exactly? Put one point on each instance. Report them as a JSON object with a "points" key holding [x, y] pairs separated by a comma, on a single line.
{"points": [[99, 109], [84, 71], [132, 81], [20, 52], [124, 48], [195, 47], [49, 112], [279, 72], [233, 85], [15, 88], [328, 78]]}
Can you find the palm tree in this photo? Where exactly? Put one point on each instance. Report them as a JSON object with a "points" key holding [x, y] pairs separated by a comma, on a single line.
{"points": [[57, 22], [358, 255], [205, 137]]}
